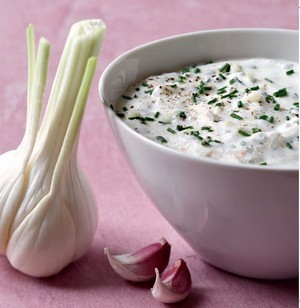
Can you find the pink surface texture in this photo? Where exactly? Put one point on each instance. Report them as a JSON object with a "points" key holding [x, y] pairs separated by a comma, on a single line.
{"points": [[127, 218]]}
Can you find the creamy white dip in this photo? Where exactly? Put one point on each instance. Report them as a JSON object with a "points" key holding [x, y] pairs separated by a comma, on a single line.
{"points": [[243, 111]]}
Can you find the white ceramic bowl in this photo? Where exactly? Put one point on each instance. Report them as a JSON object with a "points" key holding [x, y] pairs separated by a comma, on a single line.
{"points": [[242, 219]]}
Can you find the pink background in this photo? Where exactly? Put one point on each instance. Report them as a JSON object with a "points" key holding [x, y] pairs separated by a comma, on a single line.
{"points": [[127, 219]]}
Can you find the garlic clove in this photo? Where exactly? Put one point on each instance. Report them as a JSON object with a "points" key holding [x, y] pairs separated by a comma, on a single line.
{"points": [[140, 265], [174, 284]]}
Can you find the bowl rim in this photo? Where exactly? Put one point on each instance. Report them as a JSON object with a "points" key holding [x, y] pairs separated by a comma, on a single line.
{"points": [[176, 153]]}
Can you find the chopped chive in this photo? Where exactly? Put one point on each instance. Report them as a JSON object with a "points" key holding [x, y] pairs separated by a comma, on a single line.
{"points": [[205, 143], [222, 90], [243, 133], [145, 84], [212, 101], [149, 119], [208, 128], [240, 104], [136, 118], [280, 93], [287, 118], [174, 85], [169, 129], [156, 114], [149, 91], [161, 139], [181, 78], [222, 76], [256, 130], [296, 104], [186, 70], [254, 88], [196, 134], [263, 163], [202, 88], [277, 107], [194, 95], [232, 81], [225, 68], [120, 115], [181, 127], [197, 70], [236, 116], [264, 117], [124, 108], [289, 145], [267, 118], [164, 123], [270, 99], [269, 80], [182, 115], [127, 97], [290, 72], [230, 94]]}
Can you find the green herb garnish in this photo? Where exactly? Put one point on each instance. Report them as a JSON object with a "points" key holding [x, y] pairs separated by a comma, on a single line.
{"points": [[194, 96], [256, 130], [208, 128], [182, 115], [225, 68], [230, 94], [270, 99], [149, 91], [127, 97], [169, 129], [196, 134], [181, 127], [181, 78], [222, 90], [161, 139], [267, 118], [277, 107], [212, 101], [281, 93], [290, 72], [236, 116], [243, 133]]}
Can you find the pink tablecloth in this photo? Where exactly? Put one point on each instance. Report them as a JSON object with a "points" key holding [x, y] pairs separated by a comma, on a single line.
{"points": [[127, 219]]}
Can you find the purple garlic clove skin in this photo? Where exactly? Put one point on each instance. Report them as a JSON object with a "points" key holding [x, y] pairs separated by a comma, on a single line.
{"points": [[141, 265], [174, 284]]}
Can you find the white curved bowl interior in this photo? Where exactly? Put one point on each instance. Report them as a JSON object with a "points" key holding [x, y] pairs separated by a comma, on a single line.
{"points": [[241, 219]]}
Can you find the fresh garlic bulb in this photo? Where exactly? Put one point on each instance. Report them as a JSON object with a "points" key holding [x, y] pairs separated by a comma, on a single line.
{"points": [[48, 213]]}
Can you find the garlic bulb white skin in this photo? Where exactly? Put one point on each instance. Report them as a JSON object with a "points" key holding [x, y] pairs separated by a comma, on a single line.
{"points": [[48, 213]]}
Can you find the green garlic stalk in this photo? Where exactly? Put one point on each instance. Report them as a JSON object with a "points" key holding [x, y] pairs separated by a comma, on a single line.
{"points": [[48, 213]]}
